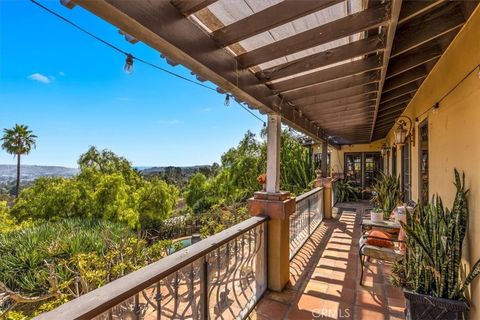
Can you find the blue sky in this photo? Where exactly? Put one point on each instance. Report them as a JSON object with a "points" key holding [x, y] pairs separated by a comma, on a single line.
{"points": [[73, 93]]}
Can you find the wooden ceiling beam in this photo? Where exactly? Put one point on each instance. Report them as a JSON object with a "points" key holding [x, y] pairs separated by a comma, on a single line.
{"points": [[406, 62], [269, 18], [404, 78], [187, 7], [331, 86], [392, 111], [396, 5], [333, 73], [393, 103], [340, 28], [412, 36], [341, 102], [396, 93], [342, 53], [179, 39], [413, 9], [366, 109], [344, 93]]}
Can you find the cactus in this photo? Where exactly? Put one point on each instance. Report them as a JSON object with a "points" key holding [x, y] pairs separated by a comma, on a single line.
{"points": [[434, 247]]}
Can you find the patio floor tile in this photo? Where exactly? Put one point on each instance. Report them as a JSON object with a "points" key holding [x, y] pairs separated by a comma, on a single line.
{"points": [[324, 278]]}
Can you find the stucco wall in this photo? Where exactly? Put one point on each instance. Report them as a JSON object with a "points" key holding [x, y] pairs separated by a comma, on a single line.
{"points": [[337, 155], [454, 134], [454, 131]]}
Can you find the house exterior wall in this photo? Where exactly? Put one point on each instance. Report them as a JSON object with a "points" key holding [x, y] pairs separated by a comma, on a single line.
{"points": [[337, 155], [454, 134]]}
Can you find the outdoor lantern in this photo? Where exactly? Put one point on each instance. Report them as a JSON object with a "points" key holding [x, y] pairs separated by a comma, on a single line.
{"points": [[403, 131], [400, 135]]}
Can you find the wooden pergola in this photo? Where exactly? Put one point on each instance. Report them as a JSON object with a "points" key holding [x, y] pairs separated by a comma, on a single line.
{"points": [[340, 71]]}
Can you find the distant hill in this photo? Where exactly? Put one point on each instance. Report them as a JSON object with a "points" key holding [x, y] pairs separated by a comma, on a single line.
{"points": [[179, 175], [30, 172]]}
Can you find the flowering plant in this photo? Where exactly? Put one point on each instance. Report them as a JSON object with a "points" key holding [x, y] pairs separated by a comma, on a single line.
{"points": [[262, 179]]}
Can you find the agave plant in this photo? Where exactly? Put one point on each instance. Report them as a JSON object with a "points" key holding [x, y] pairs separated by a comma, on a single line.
{"points": [[346, 191], [386, 193], [435, 236]]}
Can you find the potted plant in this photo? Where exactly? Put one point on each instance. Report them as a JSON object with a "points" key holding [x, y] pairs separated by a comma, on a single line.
{"points": [[386, 193], [376, 214], [430, 271], [346, 191]]}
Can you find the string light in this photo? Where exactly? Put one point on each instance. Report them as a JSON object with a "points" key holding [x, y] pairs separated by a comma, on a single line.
{"points": [[227, 100], [128, 67]]}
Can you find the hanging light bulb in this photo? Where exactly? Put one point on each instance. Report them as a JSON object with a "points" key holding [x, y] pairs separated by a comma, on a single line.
{"points": [[227, 100], [128, 67], [264, 124]]}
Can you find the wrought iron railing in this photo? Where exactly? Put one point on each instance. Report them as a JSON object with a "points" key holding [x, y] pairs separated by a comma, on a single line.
{"points": [[307, 217], [221, 277], [334, 192]]}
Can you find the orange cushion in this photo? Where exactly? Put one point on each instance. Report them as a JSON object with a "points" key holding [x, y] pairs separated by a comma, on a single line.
{"points": [[380, 242]]}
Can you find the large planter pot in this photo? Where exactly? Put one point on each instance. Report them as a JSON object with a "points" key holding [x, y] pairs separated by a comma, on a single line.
{"points": [[424, 307]]}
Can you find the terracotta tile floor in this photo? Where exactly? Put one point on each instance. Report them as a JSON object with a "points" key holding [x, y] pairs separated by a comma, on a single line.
{"points": [[324, 278]]}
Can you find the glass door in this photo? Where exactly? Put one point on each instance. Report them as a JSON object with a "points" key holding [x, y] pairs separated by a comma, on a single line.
{"points": [[423, 162], [362, 169], [353, 168], [373, 166]]}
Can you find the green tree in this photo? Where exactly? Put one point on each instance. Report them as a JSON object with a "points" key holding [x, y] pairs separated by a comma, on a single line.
{"points": [[18, 141]]}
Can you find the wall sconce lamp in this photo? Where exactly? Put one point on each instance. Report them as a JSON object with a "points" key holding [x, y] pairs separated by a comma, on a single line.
{"points": [[404, 130]]}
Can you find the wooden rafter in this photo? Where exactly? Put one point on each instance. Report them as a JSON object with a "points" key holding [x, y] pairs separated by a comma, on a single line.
{"points": [[413, 9], [187, 7], [182, 41], [341, 103], [269, 18], [404, 78], [412, 36], [346, 52], [406, 62], [334, 85], [340, 28], [390, 31], [330, 74], [344, 93], [406, 89]]}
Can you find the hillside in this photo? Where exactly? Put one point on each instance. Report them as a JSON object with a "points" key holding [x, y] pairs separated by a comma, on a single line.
{"points": [[31, 172]]}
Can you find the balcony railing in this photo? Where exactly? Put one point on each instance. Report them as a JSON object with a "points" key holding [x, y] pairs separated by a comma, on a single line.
{"points": [[307, 217], [221, 277]]}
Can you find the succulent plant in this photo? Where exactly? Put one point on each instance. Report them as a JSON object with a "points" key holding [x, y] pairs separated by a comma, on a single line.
{"points": [[434, 243]]}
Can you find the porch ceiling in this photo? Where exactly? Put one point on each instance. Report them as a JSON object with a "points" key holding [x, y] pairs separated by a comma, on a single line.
{"points": [[338, 69]]}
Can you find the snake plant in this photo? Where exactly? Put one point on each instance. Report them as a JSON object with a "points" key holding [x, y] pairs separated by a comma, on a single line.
{"points": [[435, 234], [386, 193], [346, 191]]}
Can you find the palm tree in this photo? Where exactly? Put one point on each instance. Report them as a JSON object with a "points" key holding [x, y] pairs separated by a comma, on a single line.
{"points": [[18, 141]]}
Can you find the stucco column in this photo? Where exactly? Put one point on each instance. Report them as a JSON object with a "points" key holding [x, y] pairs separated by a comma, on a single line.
{"points": [[278, 205]]}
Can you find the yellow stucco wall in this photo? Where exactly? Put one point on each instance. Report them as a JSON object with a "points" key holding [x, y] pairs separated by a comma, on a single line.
{"points": [[337, 155], [454, 133]]}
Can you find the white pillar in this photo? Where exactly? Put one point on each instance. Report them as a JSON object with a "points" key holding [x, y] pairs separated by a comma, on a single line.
{"points": [[273, 153], [324, 159]]}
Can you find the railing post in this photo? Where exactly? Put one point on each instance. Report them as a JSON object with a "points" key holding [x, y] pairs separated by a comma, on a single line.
{"points": [[309, 218], [204, 315]]}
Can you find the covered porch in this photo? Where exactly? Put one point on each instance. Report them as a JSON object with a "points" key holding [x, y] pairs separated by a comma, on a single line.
{"points": [[344, 73]]}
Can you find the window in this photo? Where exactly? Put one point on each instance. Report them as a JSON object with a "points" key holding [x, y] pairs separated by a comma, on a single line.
{"points": [[423, 162], [406, 171], [394, 161]]}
